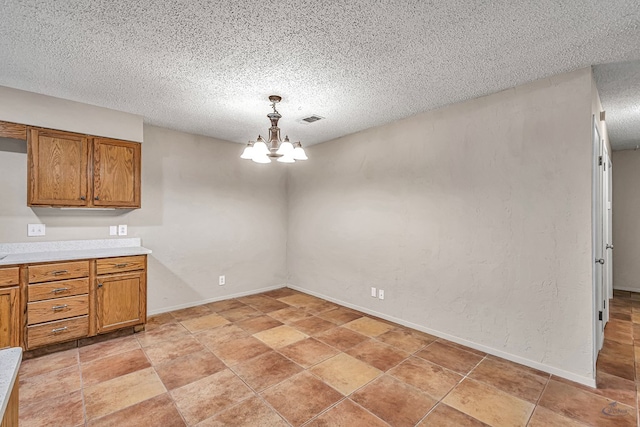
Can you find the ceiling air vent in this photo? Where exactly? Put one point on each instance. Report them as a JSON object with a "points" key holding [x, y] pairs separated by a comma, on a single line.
{"points": [[313, 118]]}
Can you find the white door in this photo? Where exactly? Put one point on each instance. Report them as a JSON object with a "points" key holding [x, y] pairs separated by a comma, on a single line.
{"points": [[598, 238], [608, 227]]}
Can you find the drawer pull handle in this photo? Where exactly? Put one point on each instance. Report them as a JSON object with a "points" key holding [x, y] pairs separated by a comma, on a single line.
{"points": [[56, 330], [121, 265], [59, 307], [59, 272], [58, 290]]}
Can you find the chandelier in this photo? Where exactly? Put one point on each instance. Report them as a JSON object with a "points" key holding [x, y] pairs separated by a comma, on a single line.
{"points": [[262, 151]]}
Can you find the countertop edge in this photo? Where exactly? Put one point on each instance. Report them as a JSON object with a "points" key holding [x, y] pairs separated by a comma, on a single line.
{"points": [[8, 379], [52, 256]]}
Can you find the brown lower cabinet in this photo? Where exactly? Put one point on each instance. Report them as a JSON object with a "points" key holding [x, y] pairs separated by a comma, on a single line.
{"points": [[65, 301]]}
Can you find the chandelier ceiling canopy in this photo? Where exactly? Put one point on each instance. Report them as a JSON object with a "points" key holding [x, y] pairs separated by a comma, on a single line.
{"points": [[261, 151]]}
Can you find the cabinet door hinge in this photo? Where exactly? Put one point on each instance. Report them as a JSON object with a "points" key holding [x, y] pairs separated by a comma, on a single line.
{"points": [[600, 161], [599, 315]]}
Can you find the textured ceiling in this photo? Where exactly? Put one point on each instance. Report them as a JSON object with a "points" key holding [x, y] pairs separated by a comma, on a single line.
{"points": [[619, 88], [207, 67]]}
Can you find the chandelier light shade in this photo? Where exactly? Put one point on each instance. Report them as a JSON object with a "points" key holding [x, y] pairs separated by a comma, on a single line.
{"points": [[261, 151]]}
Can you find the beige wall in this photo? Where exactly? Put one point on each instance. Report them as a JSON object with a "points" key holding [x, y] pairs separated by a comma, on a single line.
{"points": [[204, 213], [475, 219], [34, 109], [626, 224]]}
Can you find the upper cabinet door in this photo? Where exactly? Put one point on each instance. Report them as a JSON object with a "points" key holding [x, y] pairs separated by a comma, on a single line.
{"points": [[116, 173], [57, 171]]}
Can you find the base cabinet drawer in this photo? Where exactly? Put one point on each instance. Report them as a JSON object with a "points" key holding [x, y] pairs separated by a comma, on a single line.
{"points": [[120, 264], [9, 276], [58, 271], [56, 309], [59, 331], [63, 288]]}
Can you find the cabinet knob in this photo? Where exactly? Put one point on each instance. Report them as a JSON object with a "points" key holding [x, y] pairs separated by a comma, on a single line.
{"points": [[83, 198], [99, 285], [96, 198]]}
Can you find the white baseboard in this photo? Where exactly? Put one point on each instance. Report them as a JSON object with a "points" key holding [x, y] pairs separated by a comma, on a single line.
{"points": [[222, 298], [591, 382]]}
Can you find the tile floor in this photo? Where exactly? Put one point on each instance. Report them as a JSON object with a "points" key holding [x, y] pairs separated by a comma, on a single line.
{"points": [[284, 358]]}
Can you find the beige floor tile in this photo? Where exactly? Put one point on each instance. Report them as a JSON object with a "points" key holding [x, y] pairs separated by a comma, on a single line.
{"points": [[377, 354], [258, 324], [340, 315], [301, 397], [161, 334], [452, 358], [395, 402], [49, 384], [191, 312], [446, 416], [369, 327], [206, 397], [508, 378], [345, 373], [489, 405], [266, 370], [121, 392], [48, 363], [313, 325], [308, 352], [209, 321], [406, 339], [224, 305], [341, 338], [108, 348], [173, 348], [63, 410], [347, 414], [290, 315], [433, 379], [299, 300], [240, 313], [187, 369], [240, 349], [252, 412], [157, 411], [280, 336], [158, 320], [109, 367], [543, 417], [213, 338]]}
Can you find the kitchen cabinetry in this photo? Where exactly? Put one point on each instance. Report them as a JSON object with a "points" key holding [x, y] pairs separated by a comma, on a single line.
{"points": [[10, 315], [121, 292], [58, 303], [73, 170]]}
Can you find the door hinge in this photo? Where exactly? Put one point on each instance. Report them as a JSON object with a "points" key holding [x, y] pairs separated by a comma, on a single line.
{"points": [[600, 161], [604, 304], [599, 315]]}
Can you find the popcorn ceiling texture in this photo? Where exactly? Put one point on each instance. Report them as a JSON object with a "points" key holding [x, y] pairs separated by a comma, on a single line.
{"points": [[619, 88], [207, 67]]}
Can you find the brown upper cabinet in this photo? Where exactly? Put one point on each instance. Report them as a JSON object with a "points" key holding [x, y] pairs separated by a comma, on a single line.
{"points": [[73, 170]]}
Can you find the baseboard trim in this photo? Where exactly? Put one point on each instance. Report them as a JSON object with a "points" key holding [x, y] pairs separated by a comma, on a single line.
{"points": [[634, 290], [221, 298], [591, 382]]}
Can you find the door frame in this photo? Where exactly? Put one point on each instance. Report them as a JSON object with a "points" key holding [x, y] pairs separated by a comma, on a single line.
{"points": [[599, 295]]}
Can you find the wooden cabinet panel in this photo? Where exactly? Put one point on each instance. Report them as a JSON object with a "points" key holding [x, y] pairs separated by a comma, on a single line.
{"points": [[58, 331], [120, 264], [13, 130], [57, 171], [10, 418], [121, 301], [9, 276], [116, 173], [9, 317], [61, 289], [56, 309], [58, 271]]}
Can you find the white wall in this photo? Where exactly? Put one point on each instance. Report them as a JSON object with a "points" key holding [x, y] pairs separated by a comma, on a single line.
{"points": [[34, 109], [626, 226], [204, 213], [475, 219]]}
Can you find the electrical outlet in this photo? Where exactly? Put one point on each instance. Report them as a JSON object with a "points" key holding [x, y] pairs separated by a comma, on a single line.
{"points": [[380, 294], [221, 280], [374, 292], [35, 230], [122, 230], [113, 230]]}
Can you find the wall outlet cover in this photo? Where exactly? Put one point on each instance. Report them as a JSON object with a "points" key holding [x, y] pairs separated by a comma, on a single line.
{"points": [[113, 230], [122, 230], [380, 294], [221, 280], [374, 292], [34, 230]]}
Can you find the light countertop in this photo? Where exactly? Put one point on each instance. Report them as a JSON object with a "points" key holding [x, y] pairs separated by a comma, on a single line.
{"points": [[10, 359], [28, 253]]}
